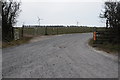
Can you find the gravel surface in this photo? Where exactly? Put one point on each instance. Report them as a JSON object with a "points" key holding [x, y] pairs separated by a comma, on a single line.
{"points": [[62, 56]]}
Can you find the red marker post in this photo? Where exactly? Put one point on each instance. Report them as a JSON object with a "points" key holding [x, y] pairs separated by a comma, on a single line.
{"points": [[94, 34]]}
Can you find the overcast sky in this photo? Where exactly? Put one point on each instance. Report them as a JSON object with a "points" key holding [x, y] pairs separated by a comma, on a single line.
{"points": [[61, 12]]}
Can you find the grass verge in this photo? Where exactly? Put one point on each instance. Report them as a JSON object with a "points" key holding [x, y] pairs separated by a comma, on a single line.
{"points": [[107, 47], [16, 42]]}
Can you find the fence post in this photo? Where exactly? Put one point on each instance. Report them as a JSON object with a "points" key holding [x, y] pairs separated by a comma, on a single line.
{"points": [[57, 30], [22, 31], [35, 32], [16, 34], [45, 30], [52, 30]]}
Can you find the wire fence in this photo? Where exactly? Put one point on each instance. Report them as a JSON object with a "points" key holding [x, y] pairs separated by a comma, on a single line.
{"points": [[34, 31], [105, 35]]}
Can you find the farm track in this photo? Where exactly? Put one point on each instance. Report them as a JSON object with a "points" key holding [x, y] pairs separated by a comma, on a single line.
{"points": [[63, 56]]}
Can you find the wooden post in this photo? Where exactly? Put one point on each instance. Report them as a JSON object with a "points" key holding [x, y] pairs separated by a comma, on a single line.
{"points": [[22, 31], [45, 30], [57, 30]]}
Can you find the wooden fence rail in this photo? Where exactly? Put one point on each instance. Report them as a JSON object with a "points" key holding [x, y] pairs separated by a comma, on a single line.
{"points": [[105, 35]]}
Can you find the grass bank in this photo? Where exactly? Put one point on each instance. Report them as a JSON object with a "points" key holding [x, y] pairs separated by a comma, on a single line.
{"points": [[16, 42], [107, 47]]}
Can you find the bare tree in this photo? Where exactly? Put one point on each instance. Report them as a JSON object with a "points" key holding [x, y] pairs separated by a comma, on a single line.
{"points": [[10, 11], [112, 16], [112, 13]]}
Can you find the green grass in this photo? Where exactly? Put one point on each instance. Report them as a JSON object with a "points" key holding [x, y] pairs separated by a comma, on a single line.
{"points": [[107, 47], [55, 30], [16, 42]]}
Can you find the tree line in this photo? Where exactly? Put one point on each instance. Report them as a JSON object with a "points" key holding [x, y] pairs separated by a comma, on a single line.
{"points": [[32, 26]]}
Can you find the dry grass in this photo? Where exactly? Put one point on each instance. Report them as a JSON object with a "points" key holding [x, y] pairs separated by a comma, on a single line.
{"points": [[107, 47], [16, 42]]}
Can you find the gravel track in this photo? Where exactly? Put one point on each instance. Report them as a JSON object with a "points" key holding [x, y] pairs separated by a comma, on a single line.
{"points": [[62, 56]]}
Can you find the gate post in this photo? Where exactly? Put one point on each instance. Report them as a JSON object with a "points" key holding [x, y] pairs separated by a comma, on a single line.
{"points": [[22, 31], [45, 30]]}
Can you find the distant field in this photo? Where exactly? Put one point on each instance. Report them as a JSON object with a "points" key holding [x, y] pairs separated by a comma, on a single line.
{"points": [[55, 30]]}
